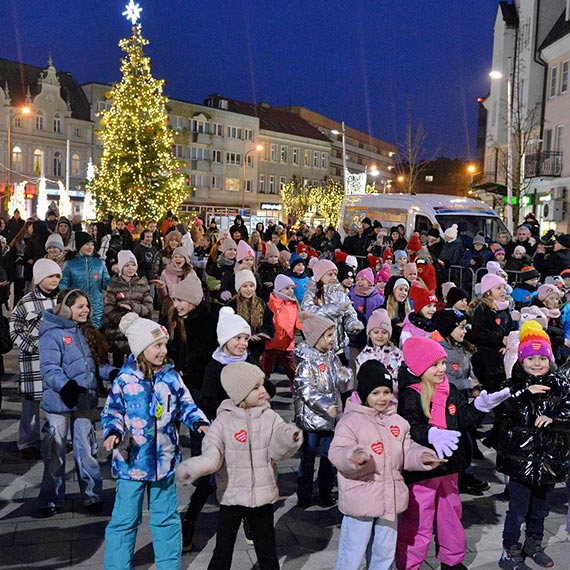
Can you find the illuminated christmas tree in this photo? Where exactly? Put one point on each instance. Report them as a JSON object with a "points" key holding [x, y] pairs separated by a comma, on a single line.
{"points": [[138, 175]]}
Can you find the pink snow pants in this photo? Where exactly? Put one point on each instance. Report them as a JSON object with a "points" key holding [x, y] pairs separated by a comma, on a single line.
{"points": [[433, 500]]}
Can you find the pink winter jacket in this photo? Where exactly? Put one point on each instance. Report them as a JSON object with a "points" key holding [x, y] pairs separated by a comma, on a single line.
{"points": [[376, 489], [241, 447]]}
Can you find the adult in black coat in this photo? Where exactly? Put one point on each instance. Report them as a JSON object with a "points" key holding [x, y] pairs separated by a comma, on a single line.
{"points": [[13, 226], [239, 226], [525, 239], [553, 263]]}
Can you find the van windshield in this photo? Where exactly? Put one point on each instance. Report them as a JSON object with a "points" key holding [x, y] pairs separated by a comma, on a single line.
{"points": [[468, 226]]}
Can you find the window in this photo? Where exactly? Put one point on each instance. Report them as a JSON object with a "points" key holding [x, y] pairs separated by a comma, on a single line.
{"points": [[323, 159], [564, 76], [494, 114], [282, 182], [75, 164], [217, 156], [178, 123], [103, 106], [547, 140], [18, 122], [17, 159], [295, 159], [232, 184], [234, 132], [429, 178], [197, 126], [216, 182], [273, 155], [39, 122], [249, 161], [272, 184], [315, 159], [198, 180], [178, 150], [38, 161], [248, 185], [261, 188], [248, 134], [284, 154], [559, 138], [77, 132], [199, 153], [57, 124], [217, 129], [307, 158], [233, 158], [57, 164], [553, 82]]}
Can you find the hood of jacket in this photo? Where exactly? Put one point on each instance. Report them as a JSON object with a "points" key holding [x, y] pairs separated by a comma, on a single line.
{"points": [[406, 378], [53, 321]]}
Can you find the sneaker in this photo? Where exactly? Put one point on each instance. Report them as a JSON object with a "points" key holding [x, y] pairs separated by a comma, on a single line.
{"points": [[48, 512], [247, 532], [187, 535], [29, 454], [512, 559], [95, 508], [459, 566], [327, 501], [470, 484], [533, 549]]}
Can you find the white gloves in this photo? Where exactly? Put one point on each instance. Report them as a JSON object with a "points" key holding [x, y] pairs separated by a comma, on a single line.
{"points": [[225, 296], [444, 441], [486, 402]]}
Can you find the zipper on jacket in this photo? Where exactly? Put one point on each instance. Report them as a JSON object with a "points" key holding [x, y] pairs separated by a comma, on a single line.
{"points": [[155, 430], [248, 423]]}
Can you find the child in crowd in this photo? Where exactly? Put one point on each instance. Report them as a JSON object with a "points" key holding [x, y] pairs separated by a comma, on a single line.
{"points": [[437, 413], [499, 256], [325, 297], [268, 269], [255, 312], [426, 270], [518, 259], [534, 446], [400, 260], [298, 273], [370, 448], [380, 347], [411, 274], [72, 352], [413, 246], [565, 274], [397, 304], [418, 322], [55, 249], [319, 380], [346, 277], [24, 331], [548, 298], [458, 299], [285, 310], [241, 447], [527, 287], [139, 420], [245, 258], [218, 267]]}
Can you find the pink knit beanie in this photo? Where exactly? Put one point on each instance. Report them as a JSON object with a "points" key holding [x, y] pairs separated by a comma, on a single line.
{"points": [[244, 250], [547, 290], [489, 281], [379, 319], [321, 267], [366, 274], [420, 353]]}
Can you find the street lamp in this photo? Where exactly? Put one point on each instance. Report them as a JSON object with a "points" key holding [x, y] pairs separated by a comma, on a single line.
{"points": [[344, 170], [11, 116], [509, 206], [258, 148]]}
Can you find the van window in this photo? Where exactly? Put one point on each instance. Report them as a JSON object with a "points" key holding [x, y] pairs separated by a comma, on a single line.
{"points": [[468, 226], [422, 224]]}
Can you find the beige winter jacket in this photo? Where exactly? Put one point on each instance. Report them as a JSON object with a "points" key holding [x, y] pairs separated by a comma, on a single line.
{"points": [[241, 447]]}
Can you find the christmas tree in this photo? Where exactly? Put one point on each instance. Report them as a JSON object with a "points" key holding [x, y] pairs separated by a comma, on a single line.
{"points": [[138, 175]]}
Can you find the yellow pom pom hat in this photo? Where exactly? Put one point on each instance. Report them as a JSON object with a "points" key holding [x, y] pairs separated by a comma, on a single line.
{"points": [[534, 341]]}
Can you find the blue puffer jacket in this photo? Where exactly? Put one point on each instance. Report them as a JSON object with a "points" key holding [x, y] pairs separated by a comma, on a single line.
{"points": [[64, 356], [89, 274], [143, 413]]}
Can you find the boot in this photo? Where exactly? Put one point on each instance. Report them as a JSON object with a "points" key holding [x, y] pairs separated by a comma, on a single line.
{"points": [[459, 566], [512, 558], [187, 534], [533, 549]]}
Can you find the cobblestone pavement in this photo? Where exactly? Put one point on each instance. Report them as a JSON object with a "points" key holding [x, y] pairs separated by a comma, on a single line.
{"points": [[306, 540]]}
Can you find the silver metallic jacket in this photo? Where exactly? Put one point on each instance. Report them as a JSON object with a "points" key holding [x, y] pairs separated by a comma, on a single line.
{"points": [[319, 380]]}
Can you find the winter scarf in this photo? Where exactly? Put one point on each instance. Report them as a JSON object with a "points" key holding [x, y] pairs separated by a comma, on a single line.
{"points": [[438, 403], [364, 290], [225, 359]]}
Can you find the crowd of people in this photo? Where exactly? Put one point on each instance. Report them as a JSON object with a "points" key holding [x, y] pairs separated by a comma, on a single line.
{"points": [[392, 367]]}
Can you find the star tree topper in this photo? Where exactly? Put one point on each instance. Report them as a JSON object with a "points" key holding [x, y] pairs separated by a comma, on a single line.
{"points": [[132, 12]]}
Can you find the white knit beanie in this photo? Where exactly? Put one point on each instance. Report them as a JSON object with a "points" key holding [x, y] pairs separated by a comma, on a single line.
{"points": [[141, 333], [44, 268], [230, 325], [244, 276], [123, 257], [451, 232], [55, 240], [239, 379]]}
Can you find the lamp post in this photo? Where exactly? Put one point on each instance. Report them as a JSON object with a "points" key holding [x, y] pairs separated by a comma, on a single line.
{"points": [[509, 205], [11, 116], [344, 170], [258, 148], [370, 170]]}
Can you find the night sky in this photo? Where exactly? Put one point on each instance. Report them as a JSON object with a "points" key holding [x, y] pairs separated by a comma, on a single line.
{"points": [[367, 62]]}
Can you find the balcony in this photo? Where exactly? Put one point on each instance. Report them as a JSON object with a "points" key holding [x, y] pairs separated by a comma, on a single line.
{"points": [[543, 164]]}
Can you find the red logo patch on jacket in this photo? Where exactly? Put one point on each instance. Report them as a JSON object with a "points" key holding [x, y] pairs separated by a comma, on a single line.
{"points": [[241, 436], [95, 276], [67, 340], [377, 447], [452, 408], [322, 367], [455, 366], [498, 321], [395, 430]]}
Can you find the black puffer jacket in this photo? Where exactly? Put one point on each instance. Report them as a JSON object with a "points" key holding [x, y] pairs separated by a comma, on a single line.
{"points": [[536, 456], [460, 416]]}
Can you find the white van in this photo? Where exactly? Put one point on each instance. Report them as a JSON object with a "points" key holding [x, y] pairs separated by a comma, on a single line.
{"points": [[419, 212]]}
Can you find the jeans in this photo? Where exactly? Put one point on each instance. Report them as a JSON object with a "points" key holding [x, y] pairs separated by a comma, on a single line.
{"points": [[315, 442], [354, 543], [121, 533], [528, 505], [52, 491], [29, 430], [260, 521]]}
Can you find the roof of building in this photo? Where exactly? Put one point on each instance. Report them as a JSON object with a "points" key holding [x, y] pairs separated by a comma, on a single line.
{"points": [[509, 13], [20, 77], [269, 119], [559, 30]]}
